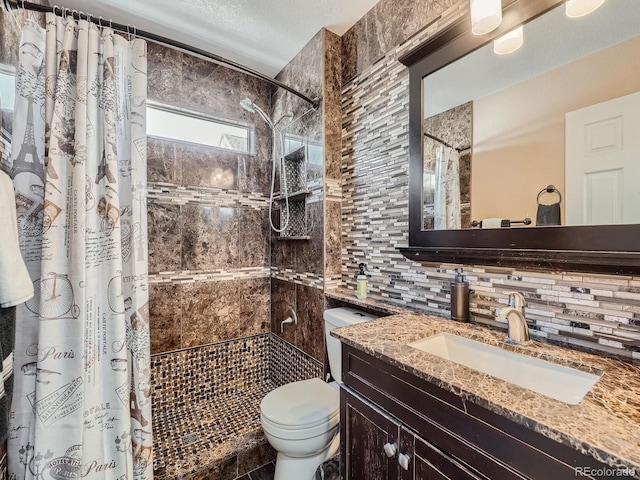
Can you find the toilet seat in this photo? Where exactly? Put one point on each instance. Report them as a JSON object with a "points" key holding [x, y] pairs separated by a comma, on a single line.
{"points": [[301, 409]]}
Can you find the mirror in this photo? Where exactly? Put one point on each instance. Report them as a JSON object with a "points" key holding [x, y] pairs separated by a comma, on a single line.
{"points": [[546, 133], [504, 175]]}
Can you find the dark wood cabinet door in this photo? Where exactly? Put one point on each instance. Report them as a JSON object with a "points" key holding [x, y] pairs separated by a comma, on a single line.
{"points": [[430, 463], [366, 431]]}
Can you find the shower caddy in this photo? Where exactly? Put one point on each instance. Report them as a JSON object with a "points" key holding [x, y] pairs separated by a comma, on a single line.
{"points": [[295, 166]]}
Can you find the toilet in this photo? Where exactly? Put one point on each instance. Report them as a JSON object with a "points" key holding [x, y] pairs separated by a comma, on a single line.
{"points": [[301, 419]]}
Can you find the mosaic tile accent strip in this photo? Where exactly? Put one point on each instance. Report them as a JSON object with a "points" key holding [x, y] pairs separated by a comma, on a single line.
{"points": [[167, 193], [206, 404], [333, 189], [332, 283], [301, 278], [219, 275], [597, 312], [317, 191]]}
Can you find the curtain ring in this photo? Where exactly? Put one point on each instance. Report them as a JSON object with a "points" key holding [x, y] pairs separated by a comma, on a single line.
{"points": [[100, 21]]}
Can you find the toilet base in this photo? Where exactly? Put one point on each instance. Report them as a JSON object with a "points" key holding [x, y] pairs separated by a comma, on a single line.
{"points": [[304, 468]]}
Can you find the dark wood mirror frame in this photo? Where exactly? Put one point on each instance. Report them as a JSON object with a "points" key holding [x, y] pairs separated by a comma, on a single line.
{"points": [[601, 249]]}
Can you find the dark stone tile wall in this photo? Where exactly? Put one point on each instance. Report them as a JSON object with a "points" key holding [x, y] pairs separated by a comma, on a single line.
{"points": [[308, 303], [388, 24], [297, 265], [453, 127], [209, 240], [333, 158]]}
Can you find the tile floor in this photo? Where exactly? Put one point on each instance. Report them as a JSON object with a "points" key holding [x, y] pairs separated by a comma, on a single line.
{"points": [[331, 470], [206, 406], [218, 439]]}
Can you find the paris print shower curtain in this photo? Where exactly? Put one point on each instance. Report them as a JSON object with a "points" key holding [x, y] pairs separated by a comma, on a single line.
{"points": [[82, 400], [446, 209]]}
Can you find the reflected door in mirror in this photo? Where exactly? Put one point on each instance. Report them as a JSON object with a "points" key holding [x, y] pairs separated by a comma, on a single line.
{"points": [[603, 163]]}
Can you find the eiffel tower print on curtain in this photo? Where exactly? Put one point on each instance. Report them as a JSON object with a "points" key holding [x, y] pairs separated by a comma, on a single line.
{"points": [[104, 170], [20, 164]]}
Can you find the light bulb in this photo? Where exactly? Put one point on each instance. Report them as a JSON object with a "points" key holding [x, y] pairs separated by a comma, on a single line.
{"points": [[509, 42], [580, 8], [486, 15]]}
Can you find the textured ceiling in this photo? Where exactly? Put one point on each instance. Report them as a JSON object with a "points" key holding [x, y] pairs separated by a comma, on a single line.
{"points": [[261, 34]]}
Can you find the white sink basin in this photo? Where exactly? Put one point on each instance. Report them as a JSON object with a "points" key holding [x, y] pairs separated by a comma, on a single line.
{"points": [[556, 381]]}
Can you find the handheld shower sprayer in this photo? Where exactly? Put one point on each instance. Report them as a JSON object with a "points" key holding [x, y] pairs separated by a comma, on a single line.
{"points": [[250, 106]]}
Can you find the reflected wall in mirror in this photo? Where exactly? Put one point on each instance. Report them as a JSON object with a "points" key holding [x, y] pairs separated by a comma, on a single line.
{"points": [[561, 111], [447, 169]]}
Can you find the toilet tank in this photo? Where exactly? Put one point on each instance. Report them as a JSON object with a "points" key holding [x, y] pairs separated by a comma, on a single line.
{"points": [[340, 317]]}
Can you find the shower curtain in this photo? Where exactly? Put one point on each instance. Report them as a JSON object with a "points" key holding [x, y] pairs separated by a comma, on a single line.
{"points": [[82, 399], [446, 207]]}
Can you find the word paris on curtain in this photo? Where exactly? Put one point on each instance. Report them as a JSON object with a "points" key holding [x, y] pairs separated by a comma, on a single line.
{"points": [[82, 401]]}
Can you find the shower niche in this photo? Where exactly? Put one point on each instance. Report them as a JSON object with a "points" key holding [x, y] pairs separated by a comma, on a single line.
{"points": [[295, 167]]}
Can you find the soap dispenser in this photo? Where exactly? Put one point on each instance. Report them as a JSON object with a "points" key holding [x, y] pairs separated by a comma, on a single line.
{"points": [[361, 281], [460, 298]]}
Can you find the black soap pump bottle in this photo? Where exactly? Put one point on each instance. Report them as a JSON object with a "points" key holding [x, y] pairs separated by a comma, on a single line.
{"points": [[460, 298]]}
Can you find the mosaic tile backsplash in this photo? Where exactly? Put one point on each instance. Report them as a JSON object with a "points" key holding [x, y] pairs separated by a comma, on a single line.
{"points": [[598, 312], [206, 404]]}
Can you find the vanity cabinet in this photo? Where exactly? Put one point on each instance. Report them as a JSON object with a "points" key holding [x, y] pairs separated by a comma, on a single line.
{"points": [[440, 434], [380, 448]]}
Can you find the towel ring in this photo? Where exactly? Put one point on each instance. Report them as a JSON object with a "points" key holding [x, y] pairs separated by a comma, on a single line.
{"points": [[548, 189]]}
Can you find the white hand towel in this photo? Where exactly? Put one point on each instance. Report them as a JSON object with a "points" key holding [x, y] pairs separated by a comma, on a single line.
{"points": [[15, 283], [491, 222]]}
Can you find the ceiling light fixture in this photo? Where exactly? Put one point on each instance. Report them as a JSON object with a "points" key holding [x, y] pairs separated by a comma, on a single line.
{"points": [[486, 15], [580, 8], [509, 42]]}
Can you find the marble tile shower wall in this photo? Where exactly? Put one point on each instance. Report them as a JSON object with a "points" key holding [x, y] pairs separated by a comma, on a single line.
{"points": [[208, 231], [599, 312], [298, 266]]}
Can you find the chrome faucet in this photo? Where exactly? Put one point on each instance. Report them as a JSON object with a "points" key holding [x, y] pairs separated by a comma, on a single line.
{"points": [[514, 314]]}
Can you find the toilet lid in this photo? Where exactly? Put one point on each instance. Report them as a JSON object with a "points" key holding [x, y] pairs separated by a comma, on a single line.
{"points": [[301, 404]]}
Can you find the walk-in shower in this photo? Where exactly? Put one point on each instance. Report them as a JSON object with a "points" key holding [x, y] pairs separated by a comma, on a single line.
{"points": [[277, 163]]}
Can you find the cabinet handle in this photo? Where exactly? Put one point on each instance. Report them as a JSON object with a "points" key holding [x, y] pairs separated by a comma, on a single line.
{"points": [[390, 449], [403, 461]]}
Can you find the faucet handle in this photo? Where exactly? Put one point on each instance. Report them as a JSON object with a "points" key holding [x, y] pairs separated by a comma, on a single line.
{"points": [[516, 300]]}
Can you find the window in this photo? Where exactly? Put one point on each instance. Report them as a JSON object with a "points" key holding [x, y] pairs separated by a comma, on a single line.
{"points": [[188, 126], [7, 87]]}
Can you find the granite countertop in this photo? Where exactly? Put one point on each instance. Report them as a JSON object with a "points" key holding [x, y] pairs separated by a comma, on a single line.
{"points": [[349, 296], [605, 424]]}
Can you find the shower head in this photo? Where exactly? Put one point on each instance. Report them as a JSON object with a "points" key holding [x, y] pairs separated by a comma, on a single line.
{"points": [[250, 106]]}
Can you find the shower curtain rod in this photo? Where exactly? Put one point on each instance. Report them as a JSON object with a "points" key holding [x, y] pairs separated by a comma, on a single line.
{"points": [[433, 137], [11, 4]]}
